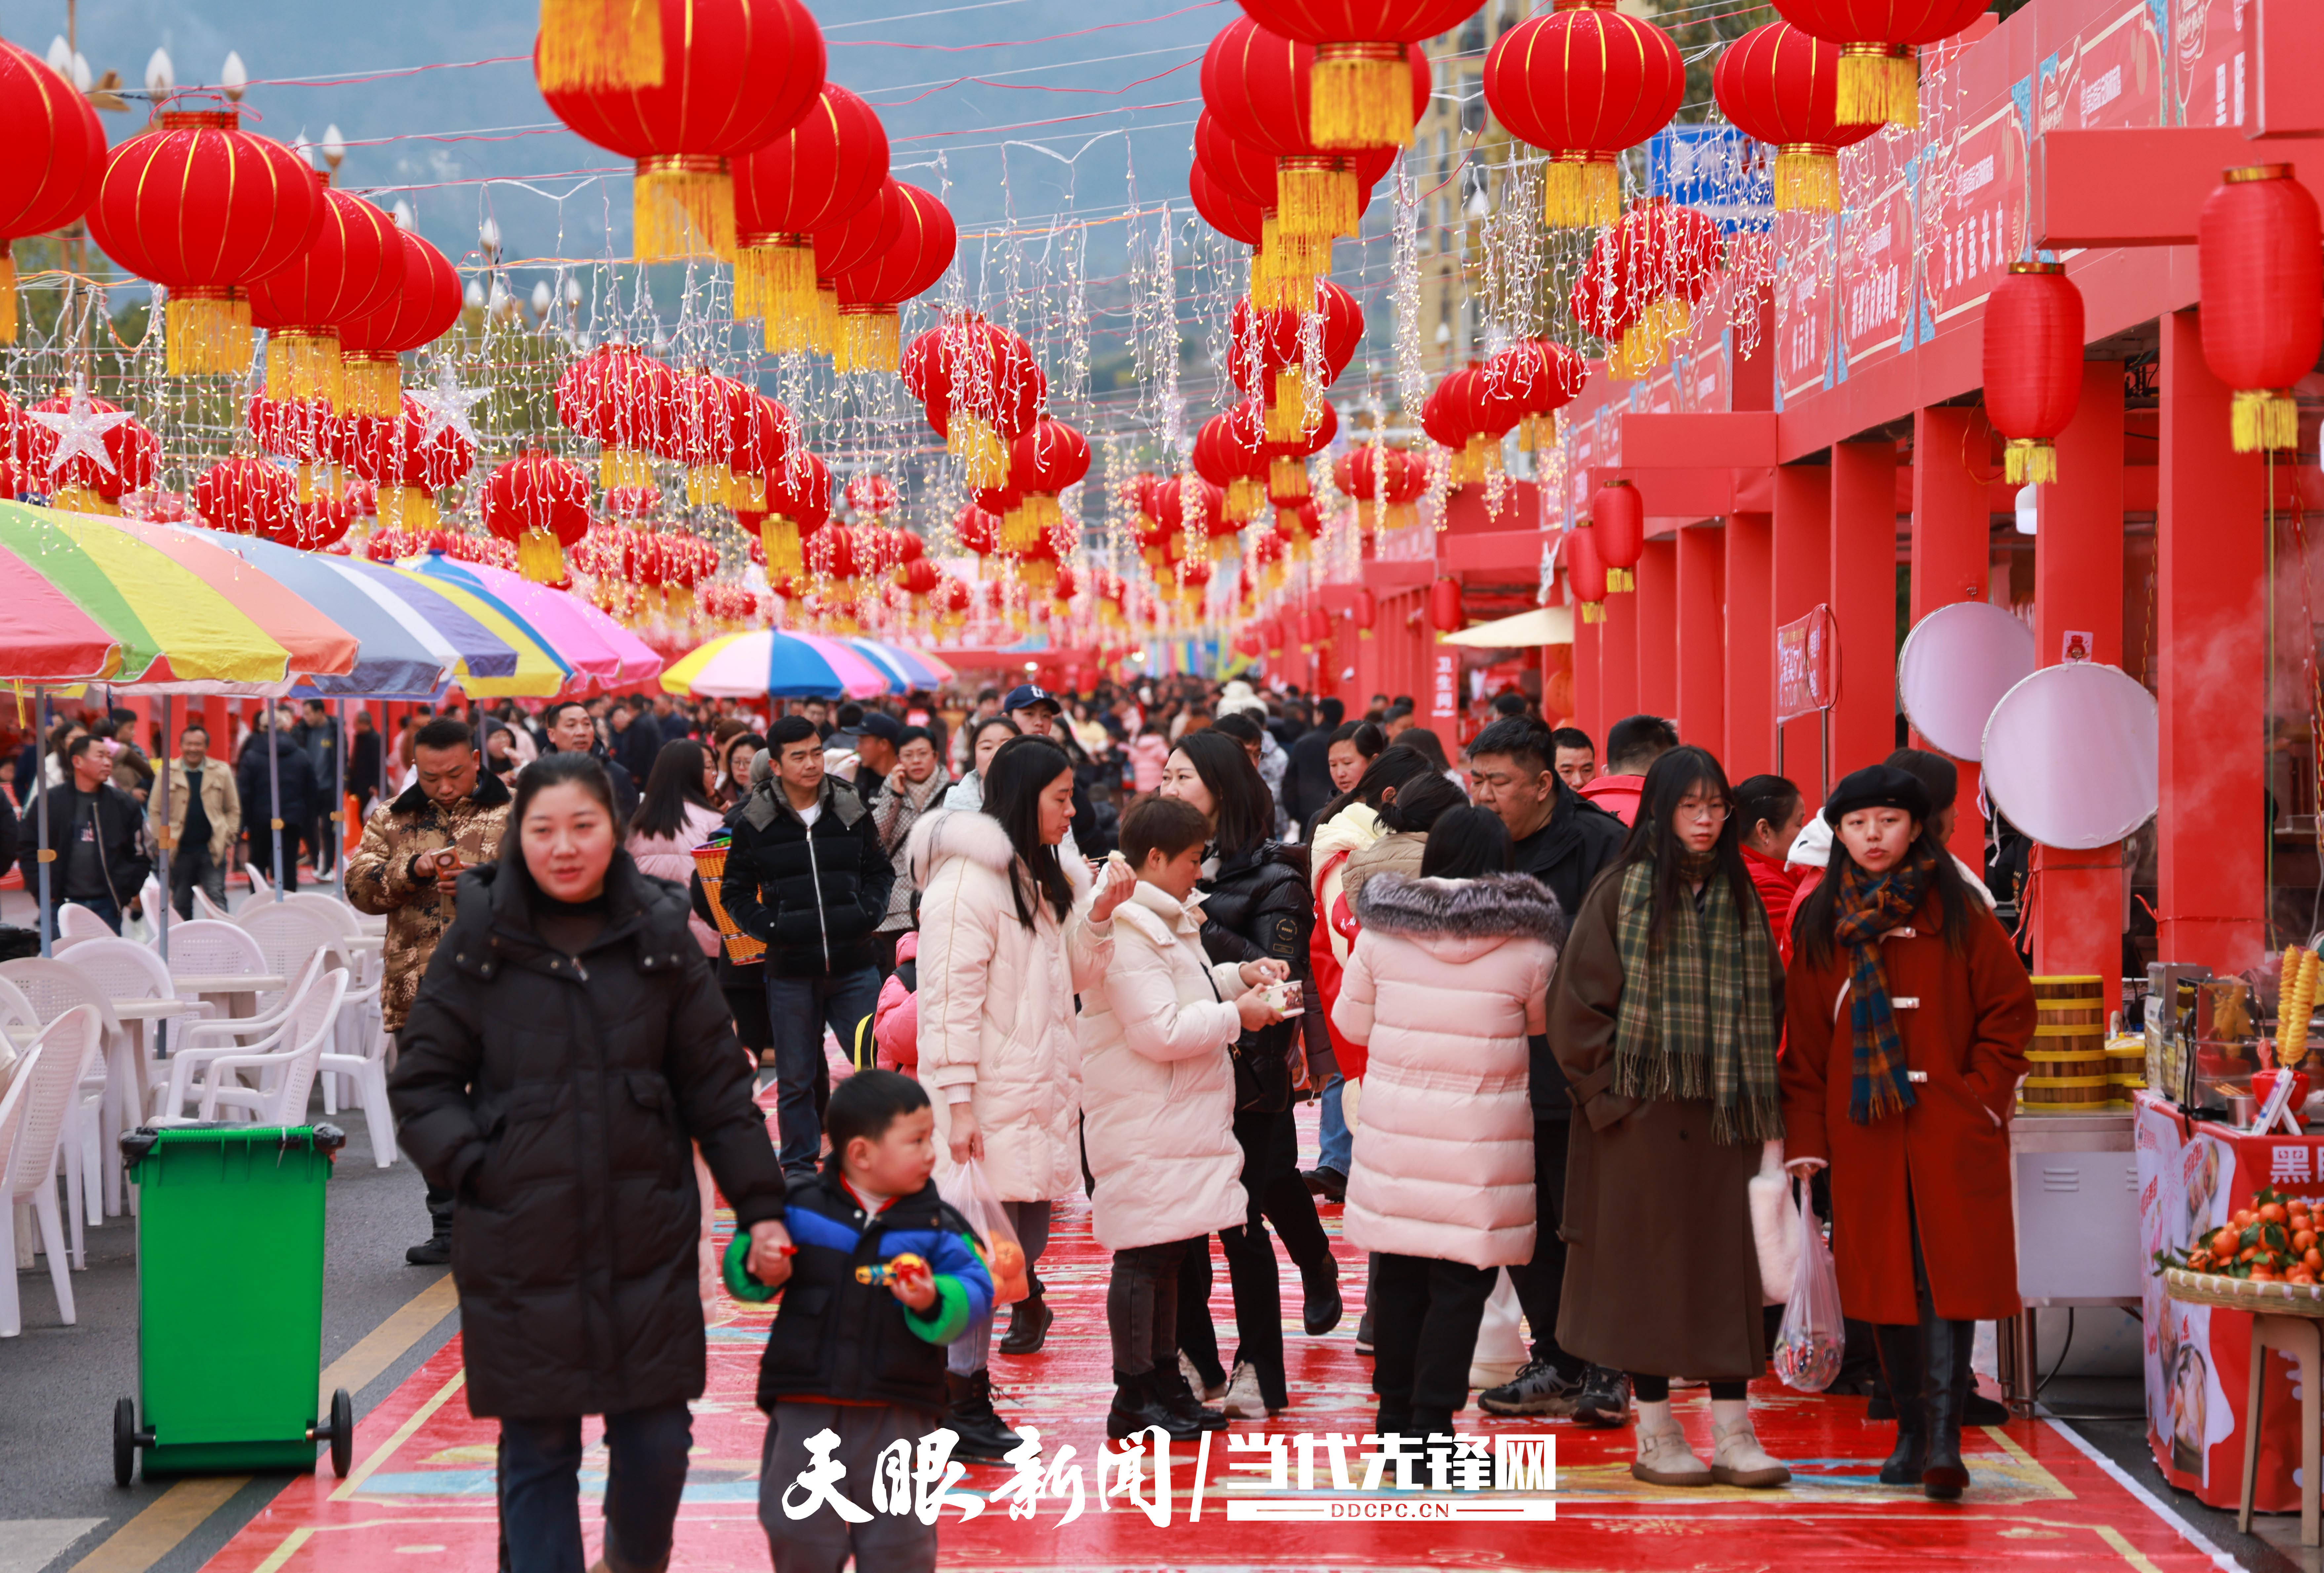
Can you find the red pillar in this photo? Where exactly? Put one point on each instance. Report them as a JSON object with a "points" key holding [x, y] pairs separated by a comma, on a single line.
{"points": [[2078, 590], [1701, 709], [1864, 602], [1588, 713], [1802, 575], [1658, 601], [1953, 553], [2210, 530], [1748, 609], [1618, 664]]}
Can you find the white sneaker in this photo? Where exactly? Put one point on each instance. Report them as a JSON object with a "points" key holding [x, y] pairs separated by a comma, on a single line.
{"points": [[1664, 1457], [1209, 1393], [1738, 1459], [1243, 1401]]}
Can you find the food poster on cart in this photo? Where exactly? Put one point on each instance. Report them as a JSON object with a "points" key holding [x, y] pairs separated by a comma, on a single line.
{"points": [[2192, 1178]]}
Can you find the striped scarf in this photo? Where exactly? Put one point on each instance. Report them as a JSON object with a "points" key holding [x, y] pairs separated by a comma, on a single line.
{"points": [[1868, 905], [1703, 1025]]}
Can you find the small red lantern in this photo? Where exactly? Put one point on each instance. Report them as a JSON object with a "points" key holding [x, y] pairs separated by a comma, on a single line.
{"points": [[1585, 572], [1268, 354], [1445, 606], [1617, 517], [799, 504], [1583, 83], [1287, 468], [55, 157], [1880, 79], [351, 266], [924, 244], [624, 401], [540, 506], [2263, 290], [423, 309], [1385, 482], [873, 494], [1782, 87], [1542, 376], [246, 497], [821, 172], [1366, 613], [2033, 366], [403, 461]]}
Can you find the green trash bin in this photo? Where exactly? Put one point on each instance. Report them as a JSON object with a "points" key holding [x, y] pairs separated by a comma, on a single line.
{"points": [[230, 1301]]}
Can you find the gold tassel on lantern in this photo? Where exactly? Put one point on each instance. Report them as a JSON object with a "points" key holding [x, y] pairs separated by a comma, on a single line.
{"points": [[625, 467], [1361, 95], [774, 277], [2263, 418], [540, 557], [869, 339], [710, 485], [302, 363], [1878, 84], [407, 509], [207, 333], [1243, 499], [1287, 477], [1318, 196], [683, 206], [82, 500], [779, 538], [1020, 530], [1282, 270], [983, 453], [1645, 343], [1807, 177], [827, 317], [1287, 418], [1593, 611], [7, 295], [1581, 190], [2030, 462], [587, 45], [371, 382]]}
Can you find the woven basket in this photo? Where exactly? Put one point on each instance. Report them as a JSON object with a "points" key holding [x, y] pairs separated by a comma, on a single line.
{"points": [[710, 861], [2289, 1300]]}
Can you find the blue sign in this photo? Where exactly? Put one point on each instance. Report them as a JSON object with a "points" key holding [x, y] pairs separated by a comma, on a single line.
{"points": [[1719, 171]]}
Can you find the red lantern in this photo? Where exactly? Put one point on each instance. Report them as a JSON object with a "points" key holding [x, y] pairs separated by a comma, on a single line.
{"points": [[1585, 571], [1044, 461], [86, 462], [56, 155], [2033, 366], [1230, 453], [247, 497], [1782, 87], [873, 494], [1268, 354], [1256, 82], [1357, 81], [982, 389], [924, 247], [351, 266], [1617, 523], [1366, 613], [1445, 606], [425, 306], [799, 504], [977, 531], [1287, 468], [2262, 279], [203, 207], [1445, 419], [821, 172], [624, 401], [1223, 210], [540, 506], [1543, 376], [406, 461], [842, 248], [1880, 79], [736, 74], [1583, 83], [1386, 483]]}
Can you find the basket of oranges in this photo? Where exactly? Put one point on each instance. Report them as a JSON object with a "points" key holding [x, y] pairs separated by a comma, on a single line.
{"points": [[2268, 1256]]}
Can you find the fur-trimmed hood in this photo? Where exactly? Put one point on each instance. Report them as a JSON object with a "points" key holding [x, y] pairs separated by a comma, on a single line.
{"points": [[939, 837], [1455, 919]]}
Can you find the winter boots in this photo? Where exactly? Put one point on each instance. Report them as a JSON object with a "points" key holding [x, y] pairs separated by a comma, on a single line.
{"points": [[971, 1415]]}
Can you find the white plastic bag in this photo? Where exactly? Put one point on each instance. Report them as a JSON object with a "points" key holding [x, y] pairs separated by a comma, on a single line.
{"points": [[1774, 1225], [1809, 1347], [972, 1196]]}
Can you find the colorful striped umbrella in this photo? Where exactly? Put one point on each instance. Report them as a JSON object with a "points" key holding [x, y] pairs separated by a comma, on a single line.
{"points": [[539, 673], [318, 646], [602, 654], [783, 666], [470, 649], [399, 656], [888, 662], [940, 669]]}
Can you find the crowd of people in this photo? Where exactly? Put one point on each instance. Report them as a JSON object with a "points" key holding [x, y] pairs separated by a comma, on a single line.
{"points": [[1105, 945]]}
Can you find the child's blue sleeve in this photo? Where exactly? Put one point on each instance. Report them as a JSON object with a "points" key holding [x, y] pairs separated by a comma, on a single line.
{"points": [[963, 1291]]}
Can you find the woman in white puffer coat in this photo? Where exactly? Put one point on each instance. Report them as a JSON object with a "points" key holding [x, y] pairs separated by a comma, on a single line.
{"points": [[1009, 934], [1448, 979]]}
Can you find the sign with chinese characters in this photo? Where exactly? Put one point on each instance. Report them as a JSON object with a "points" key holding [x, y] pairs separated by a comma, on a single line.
{"points": [[1717, 170], [1807, 665]]}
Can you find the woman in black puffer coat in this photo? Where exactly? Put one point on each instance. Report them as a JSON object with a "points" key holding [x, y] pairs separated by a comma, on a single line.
{"points": [[1256, 907], [567, 1044]]}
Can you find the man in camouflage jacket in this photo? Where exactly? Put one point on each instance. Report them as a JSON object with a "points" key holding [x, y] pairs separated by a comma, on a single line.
{"points": [[413, 849]]}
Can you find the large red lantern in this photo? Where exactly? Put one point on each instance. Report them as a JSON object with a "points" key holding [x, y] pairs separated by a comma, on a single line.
{"points": [[1782, 85], [924, 247], [1445, 606], [1585, 572], [1287, 461], [409, 457], [425, 306], [2033, 366], [1256, 82], [87, 453], [736, 74], [2263, 283], [351, 266], [624, 401], [1359, 96], [820, 173], [1542, 376], [1044, 461], [1273, 353], [1583, 83], [202, 207], [540, 505], [1617, 524], [1385, 482], [798, 504], [247, 497], [56, 154], [1880, 79], [1230, 453], [982, 388]]}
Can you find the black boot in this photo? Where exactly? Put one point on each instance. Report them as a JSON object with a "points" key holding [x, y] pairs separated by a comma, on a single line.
{"points": [[1948, 1344], [1903, 1364], [1323, 1308], [1169, 1385], [1137, 1407], [1028, 1326], [972, 1417], [1431, 1422]]}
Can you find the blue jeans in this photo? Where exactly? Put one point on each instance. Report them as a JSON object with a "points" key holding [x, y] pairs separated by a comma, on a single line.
{"points": [[540, 1488], [1339, 1144], [798, 1009]]}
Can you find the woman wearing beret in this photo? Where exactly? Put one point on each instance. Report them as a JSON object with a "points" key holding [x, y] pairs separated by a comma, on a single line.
{"points": [[1665, 1013], [1909, 1015]]}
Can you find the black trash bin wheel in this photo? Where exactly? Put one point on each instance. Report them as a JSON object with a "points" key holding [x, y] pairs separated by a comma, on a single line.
{"points": [[125, 1440], [342, 1433]]}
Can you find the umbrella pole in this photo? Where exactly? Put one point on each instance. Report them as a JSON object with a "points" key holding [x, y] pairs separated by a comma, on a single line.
{"points": [[338, 820], [274, 791], [161, 786], [48, 854]]}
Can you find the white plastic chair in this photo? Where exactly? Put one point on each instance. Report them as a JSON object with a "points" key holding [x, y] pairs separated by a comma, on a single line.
{"points": [[204, 908], [51, 987], [213, 947], [121, 970], [285, 1071], [32, 1121], [291, 929], [260, 890], [199, 1042], [74, 921]]}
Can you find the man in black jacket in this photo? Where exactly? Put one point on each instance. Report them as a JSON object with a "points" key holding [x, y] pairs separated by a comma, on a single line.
{"points": [[1564, 840], [806, 874], [297, 811], [97, 830], [572, 731]]}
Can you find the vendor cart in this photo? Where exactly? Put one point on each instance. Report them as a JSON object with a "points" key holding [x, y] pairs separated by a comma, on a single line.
{"points": [[230, 1301]]}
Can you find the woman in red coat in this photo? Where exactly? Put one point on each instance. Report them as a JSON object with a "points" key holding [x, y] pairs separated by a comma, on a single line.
{"points": [[1909, 1015]]}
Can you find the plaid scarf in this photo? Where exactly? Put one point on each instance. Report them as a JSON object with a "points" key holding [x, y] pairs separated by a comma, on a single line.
{"points": [[1704, 1023], [1868, 905]]}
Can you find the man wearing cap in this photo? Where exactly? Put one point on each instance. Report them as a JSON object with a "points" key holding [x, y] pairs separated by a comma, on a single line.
{"points": [[1035, 711]]}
